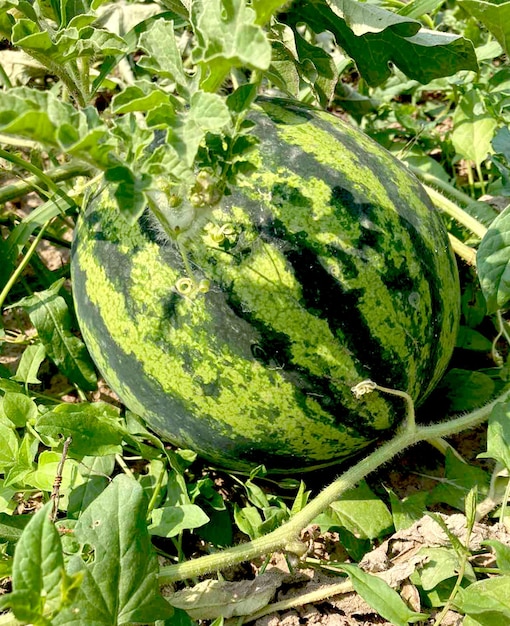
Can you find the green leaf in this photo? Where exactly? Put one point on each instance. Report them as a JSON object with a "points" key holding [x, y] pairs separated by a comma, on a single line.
{"points": [[43, 477], [208, 112], [130, 189], [11, 526], [39, 581], [502, 554], [487, 601], [169, 521], [264, 9], [473, 128], [163, 57], [408, 510], [83, 495], [466, 390], [362, 513], [417, 8], [9, 444], [495, 16], [29, 364], [120, 585], [142, 96], [227, 37], [248, 520], [459, 480], [470, 339], [24, 463], [19, 408], [441, 564], [42, 117], [381, 597], [498, 437], [374, 38], [49, 314], [318, 69], [493, 262], [94, 428]]}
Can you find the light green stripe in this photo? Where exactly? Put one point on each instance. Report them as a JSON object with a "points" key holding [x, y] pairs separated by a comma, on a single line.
{"points": [[247, 390]]}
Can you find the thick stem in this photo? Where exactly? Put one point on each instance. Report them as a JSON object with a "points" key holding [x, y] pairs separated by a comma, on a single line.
{"points": [[452, 209], [465, 252], [38, 173], [447, 190], [282, 538], [58, 174]]}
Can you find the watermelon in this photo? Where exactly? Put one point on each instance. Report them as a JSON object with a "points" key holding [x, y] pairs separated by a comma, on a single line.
{"points": [[242, 338]]}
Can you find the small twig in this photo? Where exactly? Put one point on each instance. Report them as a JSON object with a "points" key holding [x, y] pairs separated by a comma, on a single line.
{"points": [[55, 492]]}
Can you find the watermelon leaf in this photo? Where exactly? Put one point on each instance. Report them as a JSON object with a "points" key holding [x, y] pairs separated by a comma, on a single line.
{"points": [[375, 37], [49, 314], [493, 262], [163, 57], [227, 37], [42, 117], [381, 597]]}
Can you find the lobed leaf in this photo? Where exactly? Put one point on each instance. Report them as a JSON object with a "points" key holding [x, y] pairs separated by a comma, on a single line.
{"points": [[375, 37], [227, 36], [163, 57]]}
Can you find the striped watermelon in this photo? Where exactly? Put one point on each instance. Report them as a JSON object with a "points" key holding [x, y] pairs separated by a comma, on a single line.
{"points": [[325, 267]]}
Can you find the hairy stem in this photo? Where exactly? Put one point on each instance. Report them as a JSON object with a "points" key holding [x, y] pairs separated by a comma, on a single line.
{"points": [[287, 536], [447, 190], [56, 175], [466, 253], [38, 174], [453, 209]]}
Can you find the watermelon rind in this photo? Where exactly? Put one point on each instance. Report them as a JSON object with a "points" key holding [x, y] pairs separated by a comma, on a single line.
{"points": [[326, 266]]}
